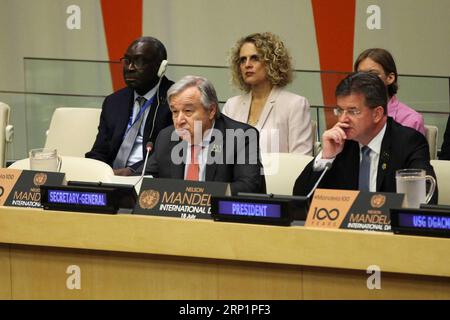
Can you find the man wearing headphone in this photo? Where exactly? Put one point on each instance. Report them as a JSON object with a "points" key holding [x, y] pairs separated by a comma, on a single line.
{"points": [[132, 117]]}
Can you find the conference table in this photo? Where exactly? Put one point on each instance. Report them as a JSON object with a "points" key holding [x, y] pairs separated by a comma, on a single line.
{"points": [[70, 255]]}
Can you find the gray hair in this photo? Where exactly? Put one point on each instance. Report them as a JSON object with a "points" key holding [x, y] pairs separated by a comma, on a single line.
{"points": [[208, 96]]}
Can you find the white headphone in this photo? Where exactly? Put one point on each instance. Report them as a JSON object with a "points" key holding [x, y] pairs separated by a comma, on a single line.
{"points": [[162, 68], [161, 71]]}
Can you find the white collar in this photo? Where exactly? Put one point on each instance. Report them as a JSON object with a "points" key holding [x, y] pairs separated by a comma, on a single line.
{"points": [[206, 138], [375, 143], [148, 95]]}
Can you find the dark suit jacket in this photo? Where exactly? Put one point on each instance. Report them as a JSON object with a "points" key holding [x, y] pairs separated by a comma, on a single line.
{"points": [[116, 111], [246, 177], [401, 148], [445, 150]]}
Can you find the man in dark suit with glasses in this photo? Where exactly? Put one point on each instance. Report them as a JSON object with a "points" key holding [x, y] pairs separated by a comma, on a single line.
{"points": [[365, 147], [133, 116]]}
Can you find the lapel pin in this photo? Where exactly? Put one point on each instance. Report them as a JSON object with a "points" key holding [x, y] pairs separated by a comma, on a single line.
{"points": [[216, 148]]}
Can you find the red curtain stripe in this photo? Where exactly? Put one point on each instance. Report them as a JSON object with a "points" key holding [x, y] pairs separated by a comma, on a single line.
{"points": [[334, 24], [335, 29], [122, 21]]}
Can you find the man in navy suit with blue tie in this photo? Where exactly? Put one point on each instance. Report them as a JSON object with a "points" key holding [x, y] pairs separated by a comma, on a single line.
{"points": [[365, 147], [133, 116]]}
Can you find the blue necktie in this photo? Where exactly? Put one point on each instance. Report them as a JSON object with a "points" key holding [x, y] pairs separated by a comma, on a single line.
{"points": [[364, 169]]}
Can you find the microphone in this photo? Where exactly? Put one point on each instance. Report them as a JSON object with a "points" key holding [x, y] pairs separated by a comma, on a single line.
{"points": [[327, 167], [149, 147]]}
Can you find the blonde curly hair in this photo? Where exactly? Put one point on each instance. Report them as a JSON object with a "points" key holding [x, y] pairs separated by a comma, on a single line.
{"points": [[274, 55]]}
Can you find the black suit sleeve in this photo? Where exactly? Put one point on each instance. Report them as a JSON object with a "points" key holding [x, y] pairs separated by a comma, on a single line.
{"points": [[138, 165], [153, 160], [306, 180], [152, 166], [248, 175], [101, 149], [445, 150]]}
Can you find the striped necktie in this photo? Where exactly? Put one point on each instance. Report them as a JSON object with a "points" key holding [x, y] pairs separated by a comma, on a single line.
{"points": [[130, 137]]}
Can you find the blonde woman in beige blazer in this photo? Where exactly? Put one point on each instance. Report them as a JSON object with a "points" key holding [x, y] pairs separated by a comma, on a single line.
{"points": [[261, 66]]}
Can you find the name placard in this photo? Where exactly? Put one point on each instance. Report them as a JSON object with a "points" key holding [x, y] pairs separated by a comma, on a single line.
{"points": [[78, 198], [422, 222], [252, 209], [178, 198], [21, 188], [350, 209]]}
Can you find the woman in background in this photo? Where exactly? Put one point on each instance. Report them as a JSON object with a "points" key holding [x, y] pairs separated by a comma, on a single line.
{"points": [[380, 62], [261, 66], [445, 149]]}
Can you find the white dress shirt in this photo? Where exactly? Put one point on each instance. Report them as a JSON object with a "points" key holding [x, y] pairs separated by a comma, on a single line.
{"points": [[136, 151]]}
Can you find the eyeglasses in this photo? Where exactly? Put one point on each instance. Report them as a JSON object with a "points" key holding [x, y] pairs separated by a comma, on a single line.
{"points": [[350, 112], [139, 62]]}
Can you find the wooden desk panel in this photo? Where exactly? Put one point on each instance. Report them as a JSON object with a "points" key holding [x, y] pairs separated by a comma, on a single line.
{"points": [[320, 283], [40, 273], [125, 256], [242, 280], [5, 272]]}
